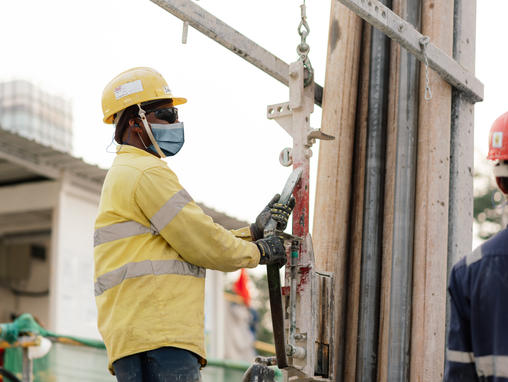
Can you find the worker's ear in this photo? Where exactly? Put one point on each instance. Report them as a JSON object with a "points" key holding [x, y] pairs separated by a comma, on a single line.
{"points": [[134, 124]]}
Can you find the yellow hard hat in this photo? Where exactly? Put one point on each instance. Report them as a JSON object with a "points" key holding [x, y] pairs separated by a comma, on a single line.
{"points": [[134, 86]]}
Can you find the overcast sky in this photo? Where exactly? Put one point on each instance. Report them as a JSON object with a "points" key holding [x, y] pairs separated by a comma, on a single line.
{"points": [[230, 158]]}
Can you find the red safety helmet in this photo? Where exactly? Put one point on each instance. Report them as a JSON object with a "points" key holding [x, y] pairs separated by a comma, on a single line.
{"points": [[498, 150], [498, 139]]}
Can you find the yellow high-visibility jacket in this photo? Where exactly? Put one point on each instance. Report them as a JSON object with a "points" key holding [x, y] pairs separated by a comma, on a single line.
{"points": [[152, 244]]}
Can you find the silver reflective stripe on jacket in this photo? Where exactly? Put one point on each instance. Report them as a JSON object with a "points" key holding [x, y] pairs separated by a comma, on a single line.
{"points": [[492, 365], [144, 268], [459, 356], [170, 209], [131, 228], [119, 231]]}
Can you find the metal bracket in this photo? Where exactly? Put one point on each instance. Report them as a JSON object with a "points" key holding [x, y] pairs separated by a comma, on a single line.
{"points": [[282, 113], [294, 116], [317, 134], [308, 356], [314, 320], [286, 157], [398, 29]]}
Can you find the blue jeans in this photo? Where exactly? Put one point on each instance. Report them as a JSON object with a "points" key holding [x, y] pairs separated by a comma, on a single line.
{"points": [[167, 364]]}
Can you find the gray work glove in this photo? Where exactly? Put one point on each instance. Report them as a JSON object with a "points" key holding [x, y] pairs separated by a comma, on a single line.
{"points": [[280, 212], [272, 251]]}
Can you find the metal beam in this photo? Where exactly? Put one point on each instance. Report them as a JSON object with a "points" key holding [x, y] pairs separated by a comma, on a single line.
{"points": [[11, 155], [382, 18], [231, 39], [20, 158]]}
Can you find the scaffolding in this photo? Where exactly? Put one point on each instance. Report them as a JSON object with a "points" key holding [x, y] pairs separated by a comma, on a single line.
{"points": [[394, 191]]}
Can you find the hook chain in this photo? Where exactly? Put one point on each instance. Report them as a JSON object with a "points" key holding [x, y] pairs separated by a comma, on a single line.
{"points": [[303, 48]]}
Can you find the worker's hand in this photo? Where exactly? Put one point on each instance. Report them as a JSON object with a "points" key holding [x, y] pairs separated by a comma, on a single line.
{"points": [[272, 251], [280, 212], [258, 372]]}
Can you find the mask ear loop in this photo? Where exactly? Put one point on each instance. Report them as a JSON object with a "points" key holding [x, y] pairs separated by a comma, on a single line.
{"points": [[115, 122], [141, 114], [143, 142], [110, 143]]}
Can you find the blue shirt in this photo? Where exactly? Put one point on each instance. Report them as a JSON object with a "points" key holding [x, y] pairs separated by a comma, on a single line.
{"points": [[478, 330]]}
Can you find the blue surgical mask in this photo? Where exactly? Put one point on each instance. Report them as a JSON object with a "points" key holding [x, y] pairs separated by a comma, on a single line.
{"points": [[170, 138]]}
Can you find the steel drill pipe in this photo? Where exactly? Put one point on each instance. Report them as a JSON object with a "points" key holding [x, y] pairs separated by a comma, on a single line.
{"points": [[403, 209], [368, 327]]}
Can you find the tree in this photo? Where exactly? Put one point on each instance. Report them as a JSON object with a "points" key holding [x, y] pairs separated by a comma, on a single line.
{"points": [[490, 205]]}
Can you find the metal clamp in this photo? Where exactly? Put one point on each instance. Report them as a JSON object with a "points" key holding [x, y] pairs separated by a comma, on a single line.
{"points": [[317, 134]]}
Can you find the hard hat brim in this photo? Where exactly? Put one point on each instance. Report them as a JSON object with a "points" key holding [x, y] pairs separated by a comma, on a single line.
{"points": [[179, 101]]}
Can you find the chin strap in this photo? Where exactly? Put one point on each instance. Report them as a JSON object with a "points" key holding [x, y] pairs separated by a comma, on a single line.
{"points": [[142, 115], [142, 141]]}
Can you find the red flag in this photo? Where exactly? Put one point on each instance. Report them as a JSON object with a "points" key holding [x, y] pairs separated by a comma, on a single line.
{"points": [[240, 287]]}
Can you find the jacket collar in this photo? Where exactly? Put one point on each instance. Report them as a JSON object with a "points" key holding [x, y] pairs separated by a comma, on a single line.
{"points": [[127, 149]]}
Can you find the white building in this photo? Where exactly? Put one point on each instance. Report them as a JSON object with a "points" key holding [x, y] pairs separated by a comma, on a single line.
{"points": [[34, 113]]}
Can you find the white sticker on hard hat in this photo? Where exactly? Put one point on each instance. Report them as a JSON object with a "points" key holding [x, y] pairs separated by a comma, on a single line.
{"points": [[128, 88], [167, 90], [497, 140]]}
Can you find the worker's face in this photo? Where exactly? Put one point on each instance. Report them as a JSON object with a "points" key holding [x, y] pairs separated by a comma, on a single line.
{"points": [[151, 117], [168, 132]]}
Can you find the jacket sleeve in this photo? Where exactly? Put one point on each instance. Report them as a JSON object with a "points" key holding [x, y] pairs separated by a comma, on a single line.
{"points": [[187, 229], [460, 364], [242, 233]]}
